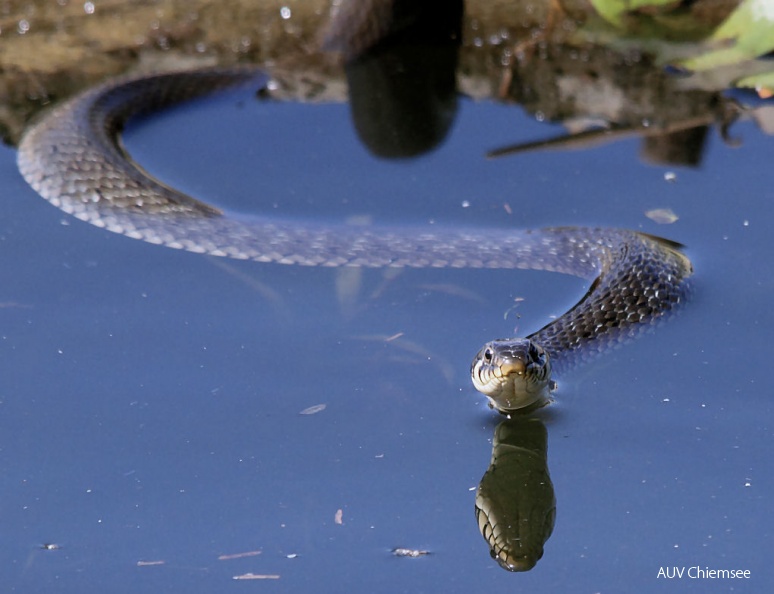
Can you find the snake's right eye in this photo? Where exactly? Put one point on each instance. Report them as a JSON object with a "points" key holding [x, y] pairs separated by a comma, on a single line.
{"points": [[488, 354]]}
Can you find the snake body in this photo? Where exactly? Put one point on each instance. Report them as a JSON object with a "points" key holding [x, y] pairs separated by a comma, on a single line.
{"points": [[74, 159]]}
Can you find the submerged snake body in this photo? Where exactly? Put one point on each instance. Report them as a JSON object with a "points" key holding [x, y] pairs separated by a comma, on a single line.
{"points": [[73, 158]]}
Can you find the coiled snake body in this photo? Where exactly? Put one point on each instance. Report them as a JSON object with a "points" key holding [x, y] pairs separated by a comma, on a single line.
{"points": [[73, 158]]}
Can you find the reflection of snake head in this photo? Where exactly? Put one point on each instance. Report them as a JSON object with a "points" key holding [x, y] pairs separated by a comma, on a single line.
{"points": [[515, 503], [515, 374]]}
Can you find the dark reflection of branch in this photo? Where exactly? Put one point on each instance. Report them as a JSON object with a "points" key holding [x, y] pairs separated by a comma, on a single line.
{"points": [[678, 143], [515, 504], [402, 74]]}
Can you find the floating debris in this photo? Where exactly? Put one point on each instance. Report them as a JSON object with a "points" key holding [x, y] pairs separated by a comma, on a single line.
{"points": [[313, 410], [662, 216], [339, 517], [50, 546], [516, 302], [149, 563], [400, 552], [670, 176], [256, 576], [238, 555]]}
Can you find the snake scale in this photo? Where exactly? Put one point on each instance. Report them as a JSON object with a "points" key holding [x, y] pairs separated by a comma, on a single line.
{"points": [[74, 159]]}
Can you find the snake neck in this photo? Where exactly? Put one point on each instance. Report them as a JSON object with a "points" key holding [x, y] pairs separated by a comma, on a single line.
{"points": [[641, 282]]}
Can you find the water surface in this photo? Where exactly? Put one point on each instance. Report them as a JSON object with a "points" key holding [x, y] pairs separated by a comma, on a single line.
{"points": [[150, 408]]}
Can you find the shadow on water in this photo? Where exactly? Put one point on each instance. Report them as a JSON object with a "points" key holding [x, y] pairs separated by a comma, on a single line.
{"points": [[403, 103]]}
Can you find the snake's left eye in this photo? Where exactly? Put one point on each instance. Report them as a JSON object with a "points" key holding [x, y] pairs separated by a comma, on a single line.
{"points": [[488, 354]]}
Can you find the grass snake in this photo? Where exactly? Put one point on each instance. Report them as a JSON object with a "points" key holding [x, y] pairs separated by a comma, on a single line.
{"points": [[73, 158]]}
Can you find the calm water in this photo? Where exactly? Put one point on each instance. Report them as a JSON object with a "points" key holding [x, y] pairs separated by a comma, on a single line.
{"points": [[150, 400]]}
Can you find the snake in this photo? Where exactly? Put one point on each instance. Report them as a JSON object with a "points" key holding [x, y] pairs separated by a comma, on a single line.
{"points": [[73, 157]]}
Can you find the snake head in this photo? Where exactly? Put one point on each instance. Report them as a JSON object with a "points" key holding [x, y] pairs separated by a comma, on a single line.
{"points": [[514, 373]]}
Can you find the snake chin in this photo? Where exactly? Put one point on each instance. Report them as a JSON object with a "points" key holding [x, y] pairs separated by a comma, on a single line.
{"points": [[515, 563], [514, 374]]}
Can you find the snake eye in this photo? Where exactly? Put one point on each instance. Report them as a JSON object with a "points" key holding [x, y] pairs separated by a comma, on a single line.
{"points": [[534, 353], [488, 354]]}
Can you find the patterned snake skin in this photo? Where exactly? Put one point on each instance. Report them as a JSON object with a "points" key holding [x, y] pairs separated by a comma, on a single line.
{"points": [[73, 158]]}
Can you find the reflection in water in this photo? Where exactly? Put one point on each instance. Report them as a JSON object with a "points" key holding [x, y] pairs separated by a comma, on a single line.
{"points": [[403, 103], [612, 97], [401, 65], [515, 504], [402, 85], [671, 143]]}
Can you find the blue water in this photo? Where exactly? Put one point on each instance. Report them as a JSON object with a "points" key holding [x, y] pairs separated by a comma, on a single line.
{"points": [[150, 400]]}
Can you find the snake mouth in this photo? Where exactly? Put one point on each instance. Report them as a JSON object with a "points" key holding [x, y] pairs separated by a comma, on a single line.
{"points": [[514, 374], [511, 367]]}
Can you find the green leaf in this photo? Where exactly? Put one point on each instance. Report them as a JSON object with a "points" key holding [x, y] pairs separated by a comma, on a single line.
{"points": [[745, 35], [613, 11], [757, 81]]}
